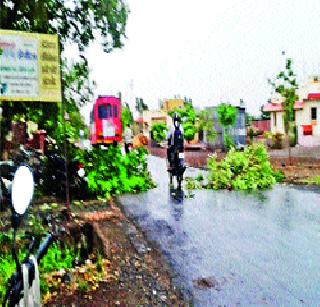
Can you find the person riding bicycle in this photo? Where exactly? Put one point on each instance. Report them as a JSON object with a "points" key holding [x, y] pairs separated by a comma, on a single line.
{"points": [[175, 140]]}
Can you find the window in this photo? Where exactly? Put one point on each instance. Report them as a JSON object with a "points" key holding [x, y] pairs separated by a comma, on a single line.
{"points": [[275, 119], [115, 111], [313, 113], [104, 111]]}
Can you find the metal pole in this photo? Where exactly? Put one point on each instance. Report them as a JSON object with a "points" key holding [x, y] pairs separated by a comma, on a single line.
{"points": [[65, 154], [63, 101], [0, 133]]}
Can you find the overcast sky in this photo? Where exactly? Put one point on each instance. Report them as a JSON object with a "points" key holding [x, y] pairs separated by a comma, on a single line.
{"points": [[209, 50]]}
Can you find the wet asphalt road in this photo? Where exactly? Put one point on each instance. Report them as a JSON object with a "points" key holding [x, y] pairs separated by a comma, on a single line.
{"points": [[253, 249]]}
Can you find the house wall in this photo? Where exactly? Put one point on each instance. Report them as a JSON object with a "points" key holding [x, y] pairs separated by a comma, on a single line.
{"points": [[151, 117], [303, 117]]}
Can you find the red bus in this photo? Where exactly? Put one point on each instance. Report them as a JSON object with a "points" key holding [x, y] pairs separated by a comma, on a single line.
{"points": [[105, 121]]}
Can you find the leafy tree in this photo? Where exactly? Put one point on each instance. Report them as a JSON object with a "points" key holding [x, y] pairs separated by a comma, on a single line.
{"points": [[227, 116], [78, 23], [286, 85], [110, 172], [206, 124], [188, 118], [126, 116], [158, 132]]}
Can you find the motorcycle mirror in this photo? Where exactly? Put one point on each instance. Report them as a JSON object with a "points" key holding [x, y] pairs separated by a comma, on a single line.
{"points": [[22, 189]]}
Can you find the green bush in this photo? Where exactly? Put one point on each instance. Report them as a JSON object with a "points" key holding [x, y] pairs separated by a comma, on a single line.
{"points": [[248, 170], [158, 132], [279, 176], [109, 172], [267, 135], [199, 177], [228, 141], [57, 258], [7, 267]]}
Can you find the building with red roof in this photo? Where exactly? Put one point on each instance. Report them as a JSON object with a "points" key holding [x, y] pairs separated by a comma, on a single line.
{"points": [[307, 115]]}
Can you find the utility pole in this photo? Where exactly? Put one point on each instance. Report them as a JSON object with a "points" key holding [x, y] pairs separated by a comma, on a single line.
{"points": [[64, 118], [0, 132]]}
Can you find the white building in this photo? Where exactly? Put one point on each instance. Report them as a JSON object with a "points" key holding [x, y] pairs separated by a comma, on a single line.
{"points": [[307, 114]]}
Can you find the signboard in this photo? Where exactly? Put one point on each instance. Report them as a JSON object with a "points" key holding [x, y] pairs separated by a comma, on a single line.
{"points": [[29, 67]]}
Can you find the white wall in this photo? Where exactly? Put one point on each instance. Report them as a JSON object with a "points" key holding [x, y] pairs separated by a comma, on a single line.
{"points": [[279, 127], [304, 118]]}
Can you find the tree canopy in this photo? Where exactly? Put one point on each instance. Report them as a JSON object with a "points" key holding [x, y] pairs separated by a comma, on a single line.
{"points": [[77, 23], [158, 132], [206, 124], [188, 118], [227, 115], [286, 85], [126, 115]]}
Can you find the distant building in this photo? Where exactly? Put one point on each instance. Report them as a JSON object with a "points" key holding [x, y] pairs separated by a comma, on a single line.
{"points": [[277, 114], [153, 117], [307, 117], [239, 131], [169, 105]]}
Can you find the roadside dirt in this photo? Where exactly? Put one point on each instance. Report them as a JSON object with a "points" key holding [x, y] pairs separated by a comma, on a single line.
{"points": [[136, 274]]}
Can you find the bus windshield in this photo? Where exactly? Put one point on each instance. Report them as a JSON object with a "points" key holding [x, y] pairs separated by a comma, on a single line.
{"points": [[104, 111]]}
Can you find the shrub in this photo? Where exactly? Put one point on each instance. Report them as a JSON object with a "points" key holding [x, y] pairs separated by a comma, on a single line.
{"points": [[158, 132], [267, 135], [228, 141], [279, 176], [248, 170], [109, 172], [199, 177]]}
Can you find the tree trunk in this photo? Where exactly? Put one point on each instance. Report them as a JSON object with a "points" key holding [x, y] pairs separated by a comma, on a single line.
{"points": [[289, 150], [289, 131]]}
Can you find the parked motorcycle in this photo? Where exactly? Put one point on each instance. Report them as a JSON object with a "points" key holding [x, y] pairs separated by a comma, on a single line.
{"points": [[24, 287], [8, 168]]}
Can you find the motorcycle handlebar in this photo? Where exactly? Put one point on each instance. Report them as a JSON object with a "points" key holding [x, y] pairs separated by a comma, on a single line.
{"points": [[44, 247]]}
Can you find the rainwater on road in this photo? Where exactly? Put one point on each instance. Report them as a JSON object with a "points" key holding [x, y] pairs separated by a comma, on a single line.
{"points": [[232, 248]]}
